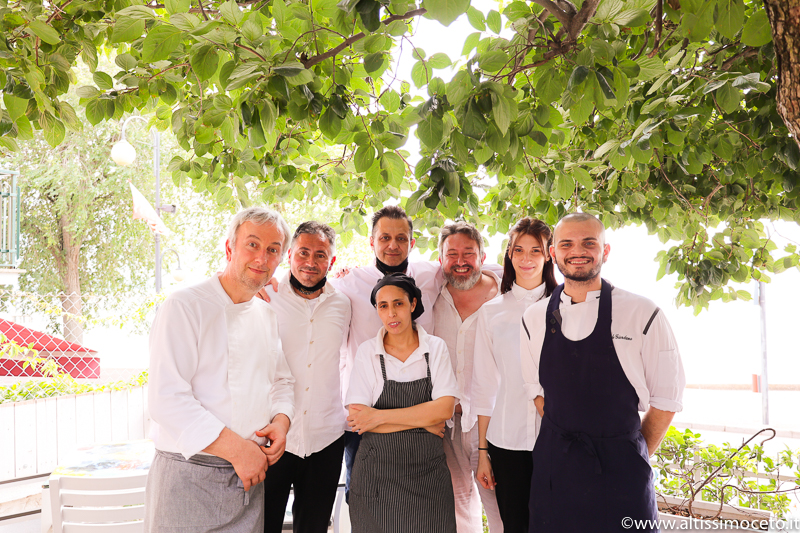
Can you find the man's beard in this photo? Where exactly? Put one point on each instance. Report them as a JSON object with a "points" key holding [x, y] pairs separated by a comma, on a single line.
{"points": [[462, 282], [591, 275]]}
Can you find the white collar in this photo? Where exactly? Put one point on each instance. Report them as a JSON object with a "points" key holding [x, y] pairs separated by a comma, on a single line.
{"points": [[521, 293], [423, 343]]}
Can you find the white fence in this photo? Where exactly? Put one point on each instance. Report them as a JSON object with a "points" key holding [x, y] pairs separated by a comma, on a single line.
{"points": [[38, 435]]}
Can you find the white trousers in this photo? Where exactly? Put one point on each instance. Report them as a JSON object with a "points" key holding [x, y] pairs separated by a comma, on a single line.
{"points": [[461, 451]]}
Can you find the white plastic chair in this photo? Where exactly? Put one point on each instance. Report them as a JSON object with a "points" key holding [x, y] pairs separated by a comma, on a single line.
{"points": [[98, 505]]}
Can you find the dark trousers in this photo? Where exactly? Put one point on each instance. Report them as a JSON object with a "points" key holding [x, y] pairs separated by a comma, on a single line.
{"points": [[351, 442], [512, 472], [314, 478]]}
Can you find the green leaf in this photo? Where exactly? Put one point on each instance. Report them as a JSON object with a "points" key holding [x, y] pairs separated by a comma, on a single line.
{"points": [[504, 111], [421, 74], [549, 87], [127, 29], [252, 29], [577, 77], [45, 32], [493, 21], [373, 62], [16, 107], [476, 18], [54, 130], [583, 177], [231, 13], [439, 61], [608, 92], [474, 124], [632, 17], [730, 17], [390, 101], [177, 6], [160, 43], [729, 98], [470, 43], [205, 61], [126, 61], [431, 130], [650, 68], [103, 81], [493, 61], [565, 186], [365, 156], [756, 31], [95, 111], [394, 166], [330, 124], [187, 22], [446, 11], [137, 12]]}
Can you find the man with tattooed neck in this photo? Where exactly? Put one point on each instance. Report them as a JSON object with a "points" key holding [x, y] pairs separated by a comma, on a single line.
{"points": [[313, 321], [392, 240]]}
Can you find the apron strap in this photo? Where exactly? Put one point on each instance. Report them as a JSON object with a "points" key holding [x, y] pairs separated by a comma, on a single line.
{"points": [[428, 363], [383, 366]]}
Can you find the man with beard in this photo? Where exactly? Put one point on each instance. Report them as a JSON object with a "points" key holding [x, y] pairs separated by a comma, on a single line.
{"points": [[220, 389], [593, 356], [313, 318], [455, 315], [392, 240]]}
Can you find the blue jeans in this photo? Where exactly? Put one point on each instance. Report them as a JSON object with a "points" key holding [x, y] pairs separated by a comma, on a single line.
{"points": [[351, 442]]}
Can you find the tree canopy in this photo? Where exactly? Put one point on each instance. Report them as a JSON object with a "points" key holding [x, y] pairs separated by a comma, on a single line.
{"points": [[669, 114]]}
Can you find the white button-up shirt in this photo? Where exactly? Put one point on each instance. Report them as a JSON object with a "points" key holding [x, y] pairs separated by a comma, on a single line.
{"points": [[651, 361], [460, 338], [357, 285], [201, 380], [312, 332], [366, 380], [497, 387]]}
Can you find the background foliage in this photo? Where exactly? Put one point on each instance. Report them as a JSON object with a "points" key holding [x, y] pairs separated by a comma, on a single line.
{"points": [[641, 112]]}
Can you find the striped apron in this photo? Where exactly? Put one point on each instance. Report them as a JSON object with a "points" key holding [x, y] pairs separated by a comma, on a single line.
{"points": [[199, 495], [400, 481]]}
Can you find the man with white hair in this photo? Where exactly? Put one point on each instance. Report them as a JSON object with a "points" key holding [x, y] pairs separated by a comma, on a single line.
{"points": [[468, 286], [220, 390]]}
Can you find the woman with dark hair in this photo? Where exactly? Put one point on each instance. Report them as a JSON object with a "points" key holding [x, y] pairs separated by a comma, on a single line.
{"points": [[402, 389], [507, 421]]}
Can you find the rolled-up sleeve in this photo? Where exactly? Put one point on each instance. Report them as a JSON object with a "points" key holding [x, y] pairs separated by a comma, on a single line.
{"points": [[360, 390], [530, 350], [174, 357], [282, 393], [663, 367], [485, 375]]}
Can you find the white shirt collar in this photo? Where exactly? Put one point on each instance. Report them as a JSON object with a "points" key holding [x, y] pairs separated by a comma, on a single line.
{"points": [[521, 293], [591, 295], [423, 343]]}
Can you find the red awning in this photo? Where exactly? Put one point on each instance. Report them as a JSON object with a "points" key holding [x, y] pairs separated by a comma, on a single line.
{"points": [[41, 341]]}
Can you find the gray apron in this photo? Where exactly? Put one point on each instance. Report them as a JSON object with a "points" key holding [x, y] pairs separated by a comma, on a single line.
{"points": [[198, 495], [400, 481]]}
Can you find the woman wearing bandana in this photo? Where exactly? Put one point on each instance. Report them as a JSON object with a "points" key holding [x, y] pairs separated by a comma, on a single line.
{"points": [[401, 391]]}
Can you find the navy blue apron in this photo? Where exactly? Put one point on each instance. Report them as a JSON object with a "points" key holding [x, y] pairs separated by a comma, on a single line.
{"points": [[590, 461]]}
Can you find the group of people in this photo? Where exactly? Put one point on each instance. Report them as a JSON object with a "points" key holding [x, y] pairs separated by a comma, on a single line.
{"points": [[428, 379]]}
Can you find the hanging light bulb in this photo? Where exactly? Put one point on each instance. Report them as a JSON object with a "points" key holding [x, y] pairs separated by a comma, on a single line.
{"points": [[123, 153]]}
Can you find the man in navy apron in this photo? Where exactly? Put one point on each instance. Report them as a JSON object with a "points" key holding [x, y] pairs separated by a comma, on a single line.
{"points": [[593, 356]]}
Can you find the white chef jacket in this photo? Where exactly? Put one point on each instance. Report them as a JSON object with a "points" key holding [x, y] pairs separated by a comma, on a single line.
{"points": [[651, 361], [366, 380], [497, 387], [357, 285], [190, 397], [312, 332], [460, 338]]}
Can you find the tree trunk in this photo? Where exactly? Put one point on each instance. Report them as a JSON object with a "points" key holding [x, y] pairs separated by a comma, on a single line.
{"points": [[784, 18], [71, 302]]}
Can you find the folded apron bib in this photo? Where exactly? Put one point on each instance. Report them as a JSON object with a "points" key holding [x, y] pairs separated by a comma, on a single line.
{"points": [[400, 481], [590, 461]]}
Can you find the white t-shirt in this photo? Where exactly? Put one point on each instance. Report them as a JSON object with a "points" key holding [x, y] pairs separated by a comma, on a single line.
{"points": [[497, 387], [644, 342], [366, 380]]}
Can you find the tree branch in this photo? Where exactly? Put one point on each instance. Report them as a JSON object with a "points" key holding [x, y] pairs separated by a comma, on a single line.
{"points": [[564, 16], [744, 54], [311, 61], [588, 9]]}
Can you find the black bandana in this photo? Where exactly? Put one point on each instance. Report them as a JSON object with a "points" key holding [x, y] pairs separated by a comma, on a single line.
{"points": [[386, 269], [306, 290], [407, 284]]}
